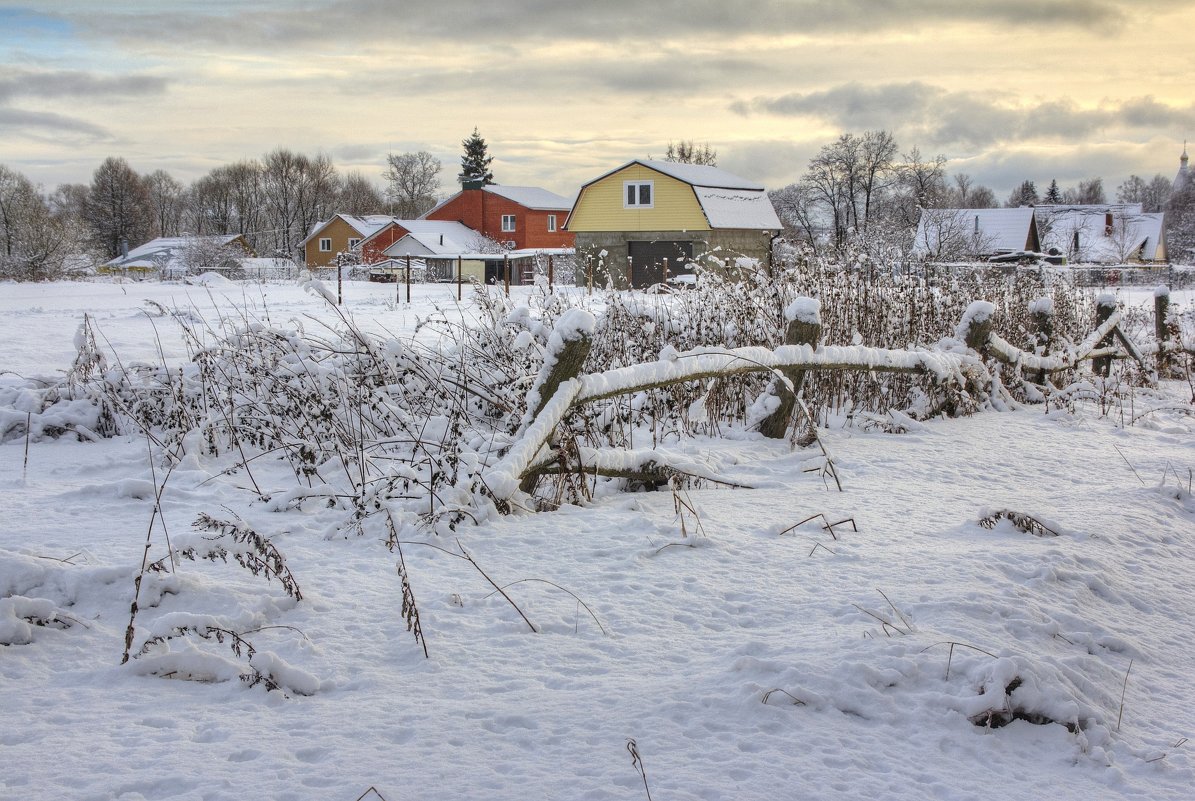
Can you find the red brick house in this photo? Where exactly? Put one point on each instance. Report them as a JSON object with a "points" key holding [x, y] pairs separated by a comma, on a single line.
{"points": [[521, 217]]}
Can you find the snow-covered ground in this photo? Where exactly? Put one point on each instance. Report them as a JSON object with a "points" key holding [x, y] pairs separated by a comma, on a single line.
{"points": [[747, 660]]}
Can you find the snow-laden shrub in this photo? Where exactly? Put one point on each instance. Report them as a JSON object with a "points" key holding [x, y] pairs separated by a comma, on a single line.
{"points": [[369, 423]]}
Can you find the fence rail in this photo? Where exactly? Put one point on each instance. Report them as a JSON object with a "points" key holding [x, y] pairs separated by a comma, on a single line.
{"points": [[533, 453]]}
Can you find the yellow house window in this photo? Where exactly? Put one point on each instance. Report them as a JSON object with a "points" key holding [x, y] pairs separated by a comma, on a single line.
{"points": [[325, 245], [353, 243], [638, 195]]}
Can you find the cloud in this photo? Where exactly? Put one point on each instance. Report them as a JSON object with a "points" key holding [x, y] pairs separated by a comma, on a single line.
{"points": [[283, 23], [64, 84], [939, 118], [1002, 170], [47, 125], [74, 83]]}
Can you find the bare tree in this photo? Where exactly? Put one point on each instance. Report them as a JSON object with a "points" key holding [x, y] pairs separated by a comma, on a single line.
{"points": [[796, 208], [166, 202], [297, 192], [832, 180], [358, 195], [211, 207], [412, 182], [952, 235], [689, 152], [201, 254], [877, 150], [34, 242], [118, 207], [1152, 195], [921, 184], [966, 194], [1087, 193]]}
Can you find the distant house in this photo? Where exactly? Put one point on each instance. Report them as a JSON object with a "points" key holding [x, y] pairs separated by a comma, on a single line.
{"points": [[449, 251], [340, 234], [645, 217], [176, 256], [377, 246], [519, 217], [959, 234], [1115, 233]]}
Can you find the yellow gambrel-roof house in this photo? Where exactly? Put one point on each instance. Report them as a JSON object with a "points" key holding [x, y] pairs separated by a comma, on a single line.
{"points": [[647, 221]]}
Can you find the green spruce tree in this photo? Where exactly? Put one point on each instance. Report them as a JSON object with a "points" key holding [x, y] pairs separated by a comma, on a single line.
{"points": [[1053, 194], [475, 163]]}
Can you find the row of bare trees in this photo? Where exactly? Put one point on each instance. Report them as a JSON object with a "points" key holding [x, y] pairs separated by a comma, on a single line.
{"points": [[863, 189], [861, 193], [273, 201]]}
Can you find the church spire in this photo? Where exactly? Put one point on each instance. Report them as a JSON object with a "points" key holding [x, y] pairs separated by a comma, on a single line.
{"points": [[1180, 180]]}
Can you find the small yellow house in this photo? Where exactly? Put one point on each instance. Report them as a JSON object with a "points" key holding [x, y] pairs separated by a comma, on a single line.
{"points": [[646, 221], [341, 234]]}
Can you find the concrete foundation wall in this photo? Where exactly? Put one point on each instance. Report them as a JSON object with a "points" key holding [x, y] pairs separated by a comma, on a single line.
{"points": [[714, 249]]}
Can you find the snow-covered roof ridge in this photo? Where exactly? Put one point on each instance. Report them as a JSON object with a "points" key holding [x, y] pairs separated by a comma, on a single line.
{"points": [[1001, 230], [700, 175], [367, 225], [165, 246], [1103, 233], [532, 197]]}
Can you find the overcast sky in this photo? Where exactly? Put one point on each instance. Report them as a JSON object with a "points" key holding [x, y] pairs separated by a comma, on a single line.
{"points": [[563, 91]]}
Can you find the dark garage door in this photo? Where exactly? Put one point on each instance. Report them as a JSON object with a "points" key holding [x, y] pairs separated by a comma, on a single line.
{"points": [[647, 260]]}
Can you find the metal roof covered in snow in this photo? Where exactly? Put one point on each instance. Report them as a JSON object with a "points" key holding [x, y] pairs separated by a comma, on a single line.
{"points": [[989, 230]]}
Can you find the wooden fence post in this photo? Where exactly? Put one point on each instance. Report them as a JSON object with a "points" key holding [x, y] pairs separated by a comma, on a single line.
{"points": [[460, 278], [506, 273], [1161, 327], [408, 278], [551, 274], [1105, 307], [976, 327], [570, 358], [1041, 311], [804, 328]]}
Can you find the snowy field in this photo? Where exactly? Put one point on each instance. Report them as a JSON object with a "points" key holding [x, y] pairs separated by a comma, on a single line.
{"points": [[748, 660]]}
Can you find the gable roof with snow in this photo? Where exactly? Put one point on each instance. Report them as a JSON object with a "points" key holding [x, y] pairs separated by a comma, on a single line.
{"points": [[366, 225], [691, 174], [532, 197], [436, 238], [725, 200], [1104, 234], [164, 250], [975, 232]]}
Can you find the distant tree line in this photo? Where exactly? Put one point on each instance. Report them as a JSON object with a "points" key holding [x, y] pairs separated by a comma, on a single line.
{"points": [[861, 193], [274, 201]]}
